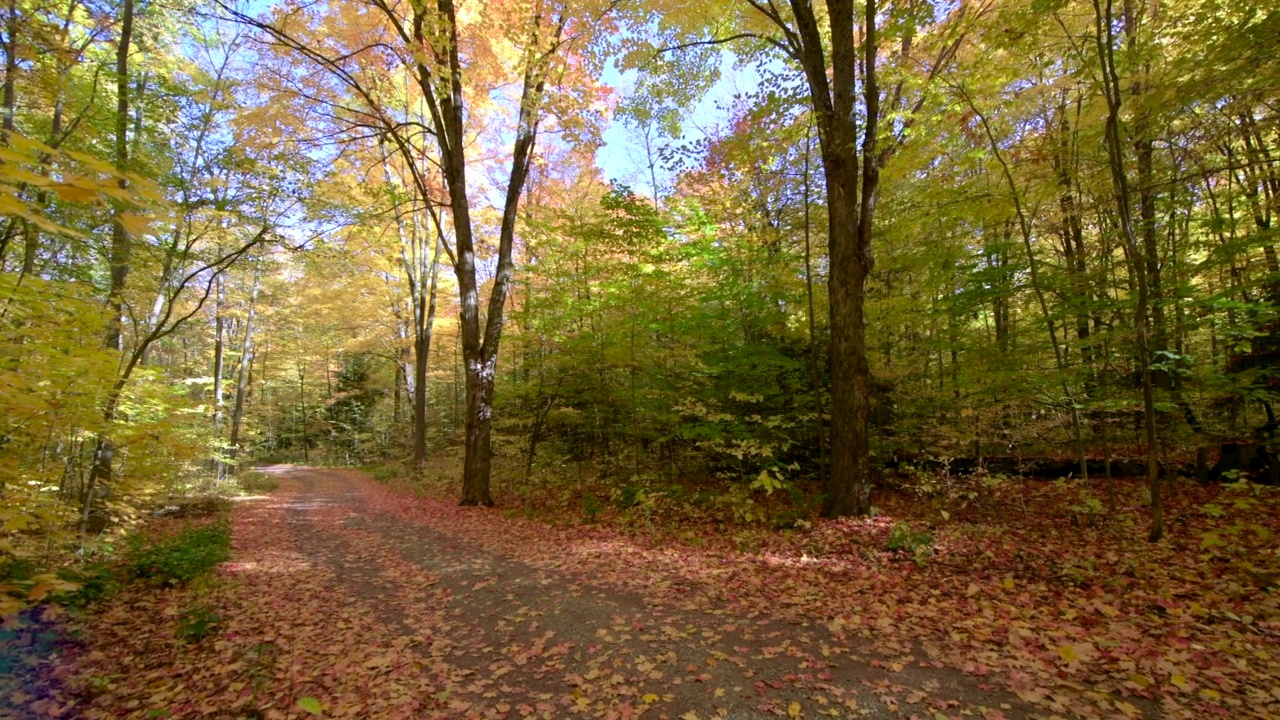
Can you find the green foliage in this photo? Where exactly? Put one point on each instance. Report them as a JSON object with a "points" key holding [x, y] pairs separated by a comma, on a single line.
{"points": [[174, 561], [256, 483], [197, 623], [742, 506], [591, 506], [95, 580], [905, 540], [1087, 508]]}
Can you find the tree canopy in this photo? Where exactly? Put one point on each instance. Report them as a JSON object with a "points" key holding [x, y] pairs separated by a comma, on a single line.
{"points": [[996, 235]]}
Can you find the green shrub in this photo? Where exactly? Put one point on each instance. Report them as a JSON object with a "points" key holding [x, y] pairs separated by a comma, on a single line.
{"points": [[902, 539], [177, 560], [628, 496], [591, 506], [256, 483], [197, 623], [96, 580]]}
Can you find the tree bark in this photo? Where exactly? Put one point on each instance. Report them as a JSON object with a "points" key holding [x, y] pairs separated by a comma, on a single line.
{"points": [[814, 373], [219, 346], [425, 325], [10, 47], [242, 380], [479, 346], [1104, 37], [851, 201], [120, 243], [104, 453]]}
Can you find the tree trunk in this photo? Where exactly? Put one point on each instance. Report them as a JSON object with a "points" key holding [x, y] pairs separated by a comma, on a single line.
{"points": [[426, 319], [479, 351], [852, 214], [1105, 39], [104, 454], [477, 464], [814, 373], [242, 380], [120, 244], [219, 347]]}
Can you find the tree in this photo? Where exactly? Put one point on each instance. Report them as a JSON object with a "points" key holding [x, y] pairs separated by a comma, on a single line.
{"points": [[427, 46], [826, 48]]}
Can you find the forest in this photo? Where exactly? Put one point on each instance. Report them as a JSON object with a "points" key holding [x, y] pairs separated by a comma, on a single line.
{"points": [[745, 272]]}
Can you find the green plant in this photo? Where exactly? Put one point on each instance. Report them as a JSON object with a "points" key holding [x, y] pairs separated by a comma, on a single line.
{"points": [[197, 623], [904, 540], [256, 483], [627, 496], [591, 506], [174, 561], [1087, 508], [742, 505], [96, 580]]}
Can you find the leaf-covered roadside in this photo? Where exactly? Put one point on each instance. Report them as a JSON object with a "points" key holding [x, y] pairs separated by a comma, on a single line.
{"points": [[268, 635], [36, 632], [1088, 621], [321, 610]]}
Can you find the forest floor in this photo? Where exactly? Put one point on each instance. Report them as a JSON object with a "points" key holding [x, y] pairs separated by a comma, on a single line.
{"points": [[347, 598]]}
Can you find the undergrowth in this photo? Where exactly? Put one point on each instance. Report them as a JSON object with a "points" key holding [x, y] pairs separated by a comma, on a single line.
{"points": [[172, 561], [180, 549]]}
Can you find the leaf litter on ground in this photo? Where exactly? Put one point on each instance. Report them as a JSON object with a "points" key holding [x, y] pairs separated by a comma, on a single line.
{"points": [[324, 607]]}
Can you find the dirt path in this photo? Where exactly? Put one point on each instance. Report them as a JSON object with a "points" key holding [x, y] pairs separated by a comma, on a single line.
{"points": [[503, 634], [335, 596]]}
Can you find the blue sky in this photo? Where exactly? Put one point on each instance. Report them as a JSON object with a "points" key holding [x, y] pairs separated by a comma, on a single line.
{"points": [[621, 158]]}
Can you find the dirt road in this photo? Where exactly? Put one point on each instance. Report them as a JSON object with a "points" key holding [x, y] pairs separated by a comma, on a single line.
{"points": [[346, 599]]}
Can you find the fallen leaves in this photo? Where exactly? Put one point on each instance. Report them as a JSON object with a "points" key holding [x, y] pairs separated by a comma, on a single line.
{"points": [[323, 612], [1063, 606]]}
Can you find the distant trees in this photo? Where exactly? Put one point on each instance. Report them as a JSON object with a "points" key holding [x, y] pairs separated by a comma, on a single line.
{"points": [[225, 245], [121, 191]]}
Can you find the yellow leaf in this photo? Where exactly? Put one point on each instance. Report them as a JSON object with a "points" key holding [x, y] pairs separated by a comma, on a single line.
{"points": [[40, 590], [135, 224], [74, 193], [1127, 709], [1068, 653], [1180, 682], [649, 698], [793, 709]]}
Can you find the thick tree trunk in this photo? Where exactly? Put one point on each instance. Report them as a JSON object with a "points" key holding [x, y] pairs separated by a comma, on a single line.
{"points": [[851, 215], [477, 464]]}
